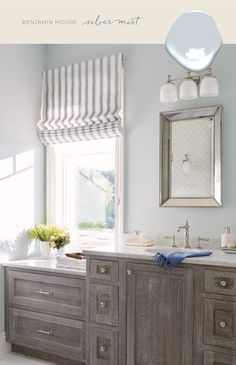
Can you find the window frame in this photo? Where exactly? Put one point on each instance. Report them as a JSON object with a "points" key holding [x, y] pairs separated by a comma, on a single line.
{"points": [[56, 188]]}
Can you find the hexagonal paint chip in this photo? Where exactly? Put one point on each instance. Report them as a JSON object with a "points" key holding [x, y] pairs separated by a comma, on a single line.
{"points": [[194, 40]]}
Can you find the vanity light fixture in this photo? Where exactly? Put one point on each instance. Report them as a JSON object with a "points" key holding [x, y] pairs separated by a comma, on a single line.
{"points": [[186, 163], [209, 85], [189, 87], [168, 93], [186, 158]]}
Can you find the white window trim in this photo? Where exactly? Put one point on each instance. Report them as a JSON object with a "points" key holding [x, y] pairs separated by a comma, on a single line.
{"points": [[56, 188], [55, 171]]}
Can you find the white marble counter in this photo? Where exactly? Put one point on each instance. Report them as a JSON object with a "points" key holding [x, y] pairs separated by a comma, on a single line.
{"points": [[218, 258], [45, 265]]}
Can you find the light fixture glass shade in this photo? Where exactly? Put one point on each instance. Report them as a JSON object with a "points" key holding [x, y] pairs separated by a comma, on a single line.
{"points": [[168, 93], [209, 86], [188, 90]]}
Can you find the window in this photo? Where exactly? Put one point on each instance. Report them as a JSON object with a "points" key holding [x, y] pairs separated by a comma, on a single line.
{"points": [[84, 189]]}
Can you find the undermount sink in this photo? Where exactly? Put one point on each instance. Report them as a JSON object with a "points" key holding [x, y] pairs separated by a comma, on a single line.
{"points": [[170, 249]]}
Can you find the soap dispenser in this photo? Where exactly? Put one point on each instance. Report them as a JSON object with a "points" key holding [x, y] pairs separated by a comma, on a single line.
{"points": [[227, 238]]}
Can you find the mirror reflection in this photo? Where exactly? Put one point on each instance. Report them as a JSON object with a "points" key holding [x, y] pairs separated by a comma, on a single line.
{"points": [[192, 158], [190, 173]]}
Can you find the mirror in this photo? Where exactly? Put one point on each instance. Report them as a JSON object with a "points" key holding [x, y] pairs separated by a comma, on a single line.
{"points": [[190, 157]]}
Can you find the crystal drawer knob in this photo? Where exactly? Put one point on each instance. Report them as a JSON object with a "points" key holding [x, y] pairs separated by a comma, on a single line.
{"points": [[223, 283], [103, 304], [222, 324], [103, 270], [129, 272], [103, 348]]}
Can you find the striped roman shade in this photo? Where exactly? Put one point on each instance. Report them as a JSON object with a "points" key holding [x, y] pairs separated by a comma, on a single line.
{"points": [[82, 101]]}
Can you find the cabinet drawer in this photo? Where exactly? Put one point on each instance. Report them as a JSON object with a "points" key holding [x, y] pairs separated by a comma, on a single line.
{"points": [[104, 270], [55, 335], [103, 348], [220, 282], [47, 293], [219, 324], [103, 304], [218, 358]]}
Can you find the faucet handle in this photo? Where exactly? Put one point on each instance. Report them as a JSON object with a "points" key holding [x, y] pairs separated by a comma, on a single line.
{"points": [[173, 240], [199, 239]]}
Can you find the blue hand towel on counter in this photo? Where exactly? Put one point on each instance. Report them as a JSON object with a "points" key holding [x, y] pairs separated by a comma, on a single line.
{"points": [[169, 260]]}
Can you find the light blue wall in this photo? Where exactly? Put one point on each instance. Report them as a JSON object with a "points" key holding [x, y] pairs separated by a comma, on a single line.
{"points": [[146, 69], [22, 170]]}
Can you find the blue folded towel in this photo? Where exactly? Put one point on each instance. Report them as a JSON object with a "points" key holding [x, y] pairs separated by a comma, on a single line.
{"points": [[169, 260]]}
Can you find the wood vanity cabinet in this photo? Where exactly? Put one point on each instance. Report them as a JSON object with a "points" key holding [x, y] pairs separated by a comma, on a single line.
{"points": [[45, 315], [219, 317], [159, 316], [138, 314], [105, 310]]}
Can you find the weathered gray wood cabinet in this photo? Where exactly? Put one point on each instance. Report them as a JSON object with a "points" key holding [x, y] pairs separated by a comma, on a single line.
{"points": [[106, 307], [150, 317], [46, 314], [218, 316], [159, 316], [136, 314]]}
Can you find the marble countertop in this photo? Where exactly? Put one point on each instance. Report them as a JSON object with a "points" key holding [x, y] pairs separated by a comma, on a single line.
{"points": [[45, 265], [218, 258]]}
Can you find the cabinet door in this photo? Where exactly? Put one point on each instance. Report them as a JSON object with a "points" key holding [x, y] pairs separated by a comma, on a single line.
{"points": [[159, 316]]}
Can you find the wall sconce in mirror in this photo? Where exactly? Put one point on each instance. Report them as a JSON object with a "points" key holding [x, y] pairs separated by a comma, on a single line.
{"points": [[186, 167], [207, 82], [194, 40]]}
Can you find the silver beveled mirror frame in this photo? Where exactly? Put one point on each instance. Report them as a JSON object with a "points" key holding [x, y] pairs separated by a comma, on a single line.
{"points": [[166, 118]]}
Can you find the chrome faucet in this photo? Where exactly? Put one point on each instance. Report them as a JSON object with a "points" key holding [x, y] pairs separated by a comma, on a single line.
{"points": [[186, 234]]}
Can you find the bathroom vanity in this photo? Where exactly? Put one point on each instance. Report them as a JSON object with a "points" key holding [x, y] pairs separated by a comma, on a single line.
{"points": [[136, 313]]}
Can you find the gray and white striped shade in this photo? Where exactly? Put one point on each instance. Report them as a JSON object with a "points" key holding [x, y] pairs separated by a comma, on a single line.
{"points": [[82, 101]]}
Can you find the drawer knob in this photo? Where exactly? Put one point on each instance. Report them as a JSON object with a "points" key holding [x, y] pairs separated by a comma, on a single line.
{"points": [[43, 292], [48, 333], [222, 324], [129, 272], [103, 348], [223, 283], [103, 270], [103, 304]]}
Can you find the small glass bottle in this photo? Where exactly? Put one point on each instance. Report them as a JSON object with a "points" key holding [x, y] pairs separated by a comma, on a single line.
{"points": [[227, 238]]}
